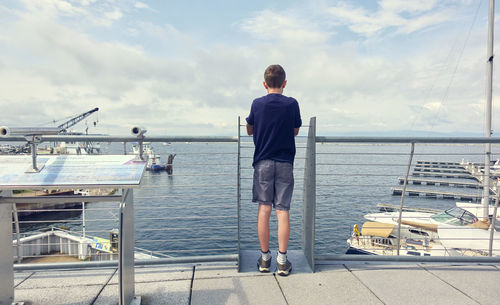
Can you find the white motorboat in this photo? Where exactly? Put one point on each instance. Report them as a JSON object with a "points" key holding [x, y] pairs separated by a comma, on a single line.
{"points": [[454, 232], [378, 238]]}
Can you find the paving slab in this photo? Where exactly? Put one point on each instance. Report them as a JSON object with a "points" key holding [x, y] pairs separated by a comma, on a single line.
{"points": [[407, 284], [237, 290], [296, 257], [159, 273], [75, 295], [67, 278], [153, 293], [329, 285], [479, 282], [208, 271]]}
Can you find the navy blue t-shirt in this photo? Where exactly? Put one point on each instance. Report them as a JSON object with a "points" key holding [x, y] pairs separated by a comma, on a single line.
{"points": [[274, 118]]}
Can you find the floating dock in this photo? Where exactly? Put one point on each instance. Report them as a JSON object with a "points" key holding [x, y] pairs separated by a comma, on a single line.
{"points": [[436, 194], [418, 181], [439, 169], [439, 163], [450, 170], [444, 175]]}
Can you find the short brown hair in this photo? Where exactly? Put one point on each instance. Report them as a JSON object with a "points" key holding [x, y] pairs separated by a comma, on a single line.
{"points": [[274, 76]]}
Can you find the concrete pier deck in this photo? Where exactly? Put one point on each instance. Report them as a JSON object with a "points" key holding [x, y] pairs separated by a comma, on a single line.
{"points": [[220, 283]]}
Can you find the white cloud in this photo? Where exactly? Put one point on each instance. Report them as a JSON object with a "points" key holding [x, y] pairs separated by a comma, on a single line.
{"points": [[415, 6], [141, 5], [163, 78], [401, 17], [269, 25], [114, 15], [53, 7], [102, 13], [434, 106]]}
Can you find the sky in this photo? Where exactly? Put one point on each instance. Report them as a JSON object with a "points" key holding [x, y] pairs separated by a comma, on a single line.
{"points": [[193, 67]]}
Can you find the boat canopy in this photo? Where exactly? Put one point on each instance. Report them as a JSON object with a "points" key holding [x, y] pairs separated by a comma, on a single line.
{"points": [[377, 229]]}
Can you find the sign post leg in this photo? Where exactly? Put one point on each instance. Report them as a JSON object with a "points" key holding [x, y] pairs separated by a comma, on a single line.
{"points": [[6, 258], [127, 242]]}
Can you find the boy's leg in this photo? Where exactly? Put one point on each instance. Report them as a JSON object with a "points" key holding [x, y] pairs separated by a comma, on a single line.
{"points": [[263, 215], [283, 229]]}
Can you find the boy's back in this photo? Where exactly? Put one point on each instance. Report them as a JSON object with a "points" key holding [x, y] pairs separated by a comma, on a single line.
{"points": [[274, 121], [274, 118]]}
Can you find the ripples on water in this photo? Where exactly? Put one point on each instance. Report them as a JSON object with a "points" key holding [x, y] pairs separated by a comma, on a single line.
{"points": [[194, 212]]}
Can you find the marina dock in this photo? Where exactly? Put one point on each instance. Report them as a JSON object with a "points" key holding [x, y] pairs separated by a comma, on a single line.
{"points": [[439, 170], [436, 194], [438, 163], [447, 171], [344, 282], [418, 181], [443, 175]]}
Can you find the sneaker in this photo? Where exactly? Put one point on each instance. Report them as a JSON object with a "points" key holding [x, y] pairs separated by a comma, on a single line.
{"points": [[284, 269], [264, 265]]}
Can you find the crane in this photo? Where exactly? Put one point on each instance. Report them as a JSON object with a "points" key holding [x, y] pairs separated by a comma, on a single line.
{"points": [[73, 121]]}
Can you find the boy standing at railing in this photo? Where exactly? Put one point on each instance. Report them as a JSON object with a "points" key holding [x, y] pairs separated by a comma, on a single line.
{"points": [[274, 121]]}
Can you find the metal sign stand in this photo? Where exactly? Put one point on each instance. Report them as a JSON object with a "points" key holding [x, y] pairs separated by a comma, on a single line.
{"points": [[127, 243], [124, 173], [6, 258]]}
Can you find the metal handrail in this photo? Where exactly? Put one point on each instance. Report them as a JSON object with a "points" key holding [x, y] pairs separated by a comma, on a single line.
{"points": [[318, 139], [234, 139]]}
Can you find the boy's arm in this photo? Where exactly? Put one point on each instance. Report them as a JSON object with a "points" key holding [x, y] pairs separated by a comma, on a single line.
{"points": [[295, 131], [249, 129]]}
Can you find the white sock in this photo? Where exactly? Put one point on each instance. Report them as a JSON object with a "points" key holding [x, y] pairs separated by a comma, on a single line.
{"points": [[281, 258], [266, 255]]}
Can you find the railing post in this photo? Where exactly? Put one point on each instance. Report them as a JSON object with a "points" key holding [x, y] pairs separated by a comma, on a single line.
{"points": [[238, 193], [403, 193], [126, 245], [309, 196], [18, 235], [6, 259], [493, 222]]}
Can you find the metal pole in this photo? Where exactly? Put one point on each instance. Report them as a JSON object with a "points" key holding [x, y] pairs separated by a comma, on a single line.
{"points": [[489, 94], [238, 193], [141, 157], [83, 219], [126, 245], [493, 222], [309, 196], [403, 196], [33, 155], [18, 234], [6, 262]]}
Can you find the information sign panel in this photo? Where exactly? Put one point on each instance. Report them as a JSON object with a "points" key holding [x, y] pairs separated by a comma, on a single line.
{"points": [[82, 171]]}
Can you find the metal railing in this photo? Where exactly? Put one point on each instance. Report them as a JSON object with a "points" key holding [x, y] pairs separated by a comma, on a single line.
{"points": [[204, 210]]}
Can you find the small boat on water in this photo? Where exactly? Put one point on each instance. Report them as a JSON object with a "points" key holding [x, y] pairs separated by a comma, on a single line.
{"points": [[378, 238], [429, 222], [153, 160], [381, 239]]}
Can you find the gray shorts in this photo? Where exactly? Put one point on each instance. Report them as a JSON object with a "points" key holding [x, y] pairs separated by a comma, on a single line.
{"points": [[273, 184]]}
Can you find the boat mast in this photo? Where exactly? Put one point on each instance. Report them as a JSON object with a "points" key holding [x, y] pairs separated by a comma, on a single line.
{"points": [[489, 89]]}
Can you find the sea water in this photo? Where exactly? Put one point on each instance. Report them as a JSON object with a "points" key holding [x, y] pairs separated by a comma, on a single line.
{"points": [[195, 210]]}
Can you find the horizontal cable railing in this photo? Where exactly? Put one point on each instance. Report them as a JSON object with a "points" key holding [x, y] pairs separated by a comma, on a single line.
{"points": [[357, 183], [193, 211]]}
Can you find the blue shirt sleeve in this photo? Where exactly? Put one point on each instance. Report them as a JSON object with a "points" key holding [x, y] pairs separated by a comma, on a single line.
{"points": [[250, 118], [298, 120]]}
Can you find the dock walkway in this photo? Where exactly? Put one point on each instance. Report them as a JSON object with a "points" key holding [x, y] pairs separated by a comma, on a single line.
{"points": [[220, 283], [436, 194]]}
